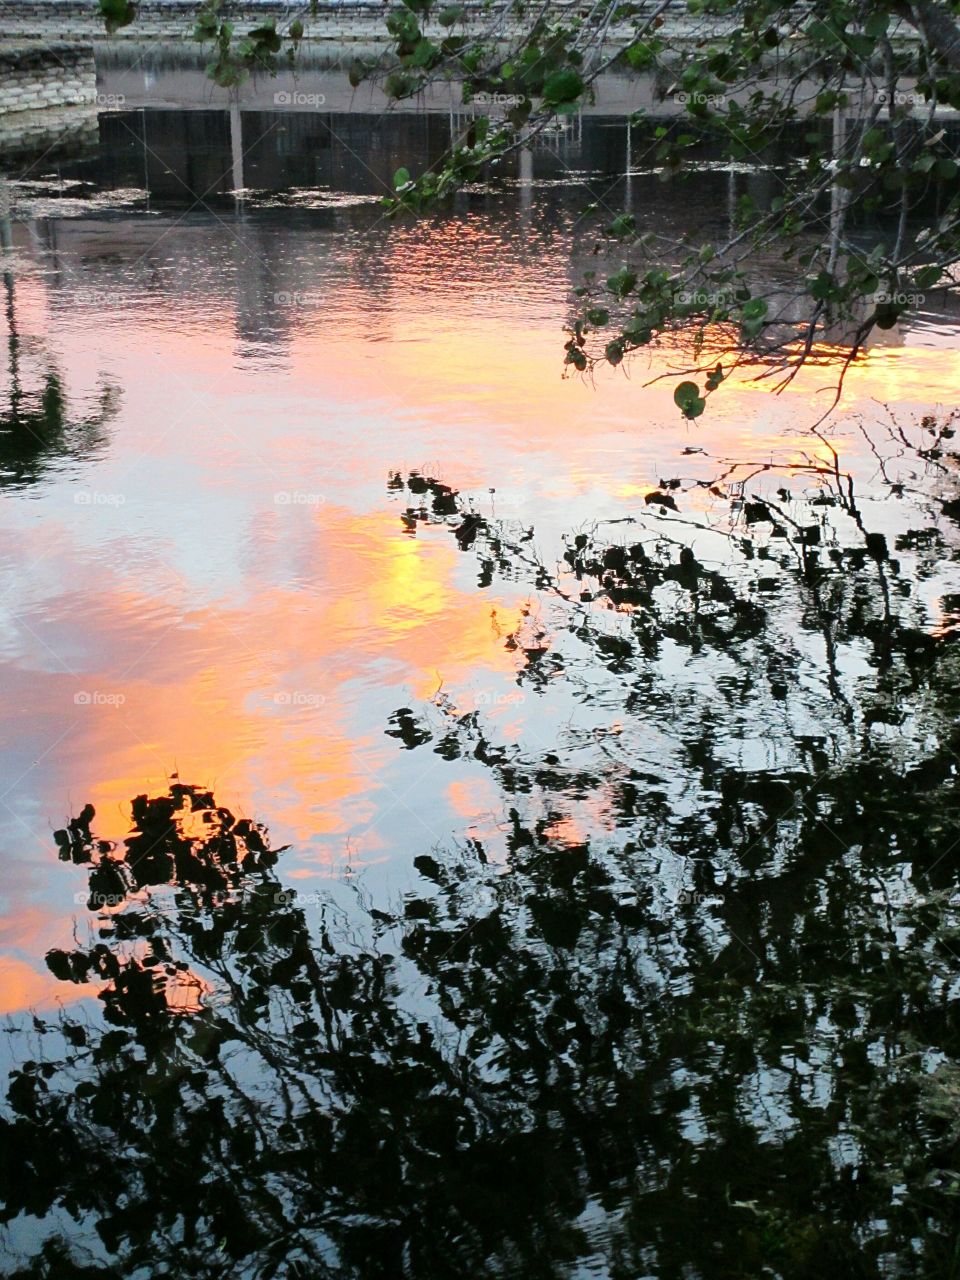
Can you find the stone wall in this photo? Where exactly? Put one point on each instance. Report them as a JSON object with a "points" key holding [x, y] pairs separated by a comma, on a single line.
{"points": [[336, 21], [342, 21], [49, 136], [53, 74], [175, 19]]}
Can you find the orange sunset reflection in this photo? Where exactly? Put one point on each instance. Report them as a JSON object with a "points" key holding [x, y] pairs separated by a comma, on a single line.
{"points": [[259, 648], [22, 987]]}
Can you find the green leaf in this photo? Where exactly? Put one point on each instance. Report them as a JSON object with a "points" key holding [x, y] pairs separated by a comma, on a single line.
{"points": [[400, 86], [827, 100], [403, 25], [562, 86], [519, 114], [687, 398], [119, 13], [754, 309], [266, 36], [623, 225], [822, 33], [425, 55], [822, 287], [206, 25], [622, 283], [640, 56], [862, 46], [450, 15], [927, 277]]}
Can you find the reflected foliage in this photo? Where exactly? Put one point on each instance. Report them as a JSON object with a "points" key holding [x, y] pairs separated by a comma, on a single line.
{"points": [[36, 428], [688, 1010], [37, 432]]}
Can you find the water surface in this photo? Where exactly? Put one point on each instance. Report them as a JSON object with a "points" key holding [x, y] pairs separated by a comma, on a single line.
{"points": [[634, 735]]}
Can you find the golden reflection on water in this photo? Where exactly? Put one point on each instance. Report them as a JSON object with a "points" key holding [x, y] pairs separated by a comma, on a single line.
{"points": [[260, 648], [248, 724]]}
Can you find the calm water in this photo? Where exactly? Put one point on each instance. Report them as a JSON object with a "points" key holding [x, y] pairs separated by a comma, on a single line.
{"points": [[613, 932]]}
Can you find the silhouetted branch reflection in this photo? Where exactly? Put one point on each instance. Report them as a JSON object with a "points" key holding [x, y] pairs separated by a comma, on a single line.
{"points": [[36, 428], [695, 1017]]}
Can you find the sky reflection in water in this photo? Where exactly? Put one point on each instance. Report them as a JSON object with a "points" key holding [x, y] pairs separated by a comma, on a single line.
{"points": [[220, 584]]}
